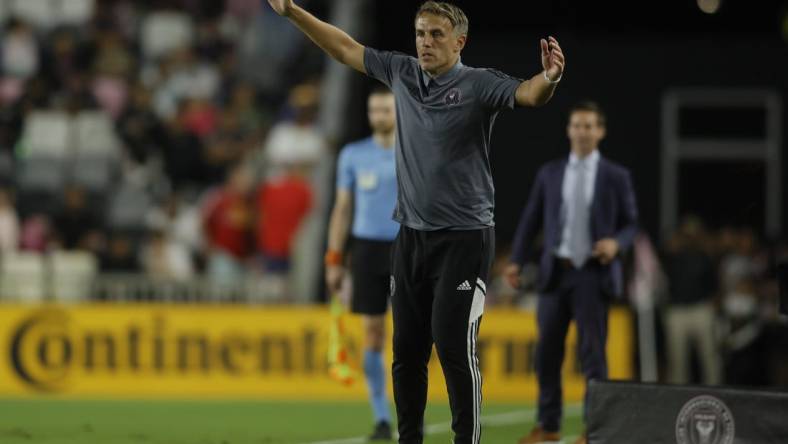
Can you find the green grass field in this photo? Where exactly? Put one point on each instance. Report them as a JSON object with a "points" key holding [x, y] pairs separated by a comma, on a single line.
{"points": [[233, 422]]}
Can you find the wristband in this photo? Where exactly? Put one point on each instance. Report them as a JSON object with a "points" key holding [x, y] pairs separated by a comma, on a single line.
{"points": [[552, 82], [333, 257]]}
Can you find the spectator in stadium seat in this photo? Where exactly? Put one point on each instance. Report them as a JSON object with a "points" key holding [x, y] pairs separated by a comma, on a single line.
{"points": [[184, 76], [183, 154], [281, 202], [253, 120], [36, 233], [226, 146], [76, 220], [226, 221], [19, 50], [163, 257], [585, 206], [119, 256], [297, 140], [141, 130], [179, 220], [690, 317], [64, 58], [9, 222]]}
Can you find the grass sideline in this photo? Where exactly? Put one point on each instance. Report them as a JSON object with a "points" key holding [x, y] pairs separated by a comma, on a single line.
{"points": [[233, 422]]}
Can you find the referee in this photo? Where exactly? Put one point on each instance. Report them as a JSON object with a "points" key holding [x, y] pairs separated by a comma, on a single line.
{"points": [[366, 196], [443, 252]]}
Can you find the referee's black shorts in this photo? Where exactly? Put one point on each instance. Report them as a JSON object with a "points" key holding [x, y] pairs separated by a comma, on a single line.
{"points": [[371, 273]]}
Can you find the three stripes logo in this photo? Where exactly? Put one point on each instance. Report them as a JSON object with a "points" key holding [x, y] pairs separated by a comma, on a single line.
{"points": [[465, 286]]}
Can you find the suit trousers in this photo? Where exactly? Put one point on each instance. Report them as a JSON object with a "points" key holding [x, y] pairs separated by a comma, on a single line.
{"points": [[575, 294]]}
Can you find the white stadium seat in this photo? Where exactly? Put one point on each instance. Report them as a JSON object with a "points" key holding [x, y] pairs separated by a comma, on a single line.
{"points": [[72, 275], [163, 32], [22, 277]]}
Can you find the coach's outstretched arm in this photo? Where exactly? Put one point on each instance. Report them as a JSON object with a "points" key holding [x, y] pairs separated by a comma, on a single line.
{"points": [[539, 89], [331, 39]]}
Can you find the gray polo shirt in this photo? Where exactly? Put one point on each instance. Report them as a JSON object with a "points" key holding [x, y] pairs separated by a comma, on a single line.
{"points": [[444, 124]]}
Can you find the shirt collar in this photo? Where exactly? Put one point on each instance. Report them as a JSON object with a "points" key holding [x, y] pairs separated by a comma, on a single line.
{"points": [[590, 160], [443, 78]]}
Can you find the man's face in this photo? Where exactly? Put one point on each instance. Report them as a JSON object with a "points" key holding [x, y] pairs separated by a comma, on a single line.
{"points": [[381, 113], [437, 45], [584, 131]]}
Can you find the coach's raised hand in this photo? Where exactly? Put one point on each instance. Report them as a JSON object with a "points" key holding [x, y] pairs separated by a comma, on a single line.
{"points": [[282, 7], [538, 90], [334, 41], [552, 59]]}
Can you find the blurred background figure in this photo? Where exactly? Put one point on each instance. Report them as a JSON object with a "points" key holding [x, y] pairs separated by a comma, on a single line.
{"points": [[227, 223], [9, 223], [690, 317]]}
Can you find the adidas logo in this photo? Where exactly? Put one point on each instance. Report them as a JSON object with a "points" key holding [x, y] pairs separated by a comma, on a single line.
{"points": [[465, 286]]}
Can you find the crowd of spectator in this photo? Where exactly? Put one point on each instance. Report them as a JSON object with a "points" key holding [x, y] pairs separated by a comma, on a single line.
{"points": [[721, 307], [211, 137]]}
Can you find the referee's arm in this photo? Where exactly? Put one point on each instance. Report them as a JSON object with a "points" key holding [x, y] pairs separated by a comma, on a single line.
{"points": [[334, 41], [539, 89], [338, 229]]}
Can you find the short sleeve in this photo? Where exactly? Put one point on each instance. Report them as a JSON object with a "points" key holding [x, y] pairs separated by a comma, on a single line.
{"points": [[345, 176], [496, 89], [384, 65]]}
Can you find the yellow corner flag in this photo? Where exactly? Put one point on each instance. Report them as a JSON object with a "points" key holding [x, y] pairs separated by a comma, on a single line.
{"points": [[339, 366]]}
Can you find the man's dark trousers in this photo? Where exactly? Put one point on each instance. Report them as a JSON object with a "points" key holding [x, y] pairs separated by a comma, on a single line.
{"points": [[575, 294], [439, 285]]}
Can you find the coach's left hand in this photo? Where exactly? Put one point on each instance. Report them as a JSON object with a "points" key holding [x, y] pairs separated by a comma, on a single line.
{"points": [[605, 250], [552, 58]]}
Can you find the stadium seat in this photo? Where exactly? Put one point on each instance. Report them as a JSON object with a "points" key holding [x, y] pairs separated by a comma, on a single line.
{"points": [[41, 174], [22, 277], [42, 13], [97, 156], [6, 169], [43, 157], [95, 133], [75, 12], [46, 134], [50, 13], [163, 32], [72, 275], [127, 208]]}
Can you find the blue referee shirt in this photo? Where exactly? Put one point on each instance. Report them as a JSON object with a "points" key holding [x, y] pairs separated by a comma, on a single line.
{"points": [[366, 169]]}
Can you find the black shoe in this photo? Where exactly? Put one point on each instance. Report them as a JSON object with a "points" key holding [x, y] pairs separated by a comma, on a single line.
{"points": [[382, 432]]}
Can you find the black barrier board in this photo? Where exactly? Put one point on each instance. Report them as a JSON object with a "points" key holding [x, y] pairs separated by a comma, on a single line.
{"points": [[632, 413]]}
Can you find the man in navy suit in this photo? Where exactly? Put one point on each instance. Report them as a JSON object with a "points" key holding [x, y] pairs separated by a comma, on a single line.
{"points": [[585, 207]]}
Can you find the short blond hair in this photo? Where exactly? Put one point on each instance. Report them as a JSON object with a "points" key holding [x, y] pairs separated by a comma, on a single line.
{"points": [[455, 15]]}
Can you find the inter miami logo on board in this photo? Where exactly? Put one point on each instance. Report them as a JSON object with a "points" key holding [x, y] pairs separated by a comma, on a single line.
{"points": [[453, 97], [705, 420]]}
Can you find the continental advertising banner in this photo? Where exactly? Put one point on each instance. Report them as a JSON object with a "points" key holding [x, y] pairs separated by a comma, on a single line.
{"points": [[160, 351]]}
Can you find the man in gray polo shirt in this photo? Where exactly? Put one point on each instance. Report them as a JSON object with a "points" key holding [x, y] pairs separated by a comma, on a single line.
{"points": [[444, 249]]}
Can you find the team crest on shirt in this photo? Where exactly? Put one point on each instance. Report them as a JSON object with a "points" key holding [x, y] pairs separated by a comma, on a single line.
{"points": [[453, 97]]}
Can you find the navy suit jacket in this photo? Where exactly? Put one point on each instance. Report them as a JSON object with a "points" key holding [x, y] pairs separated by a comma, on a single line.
{"points": [[613, 215]]}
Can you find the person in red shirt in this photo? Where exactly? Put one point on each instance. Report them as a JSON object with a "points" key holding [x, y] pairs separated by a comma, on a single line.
{"points": [[282, 203], [227, 220]]}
